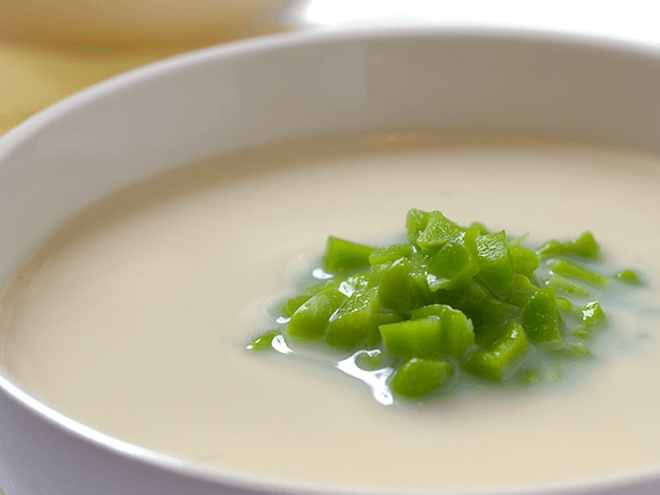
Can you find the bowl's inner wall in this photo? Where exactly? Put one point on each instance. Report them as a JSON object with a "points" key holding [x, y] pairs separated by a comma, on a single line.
{"points": [[222, 101]]}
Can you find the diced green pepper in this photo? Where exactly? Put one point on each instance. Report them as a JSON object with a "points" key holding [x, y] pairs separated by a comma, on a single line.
{"points": [[383, 317], [416, 221], [263, 342], [628, 277], [342, 255], [288, 308], [351, 284], [479, 304], [585, 246], [592, 318], [456, 331], [480, 227], [495, 266], [419, 263], [455, 264], [583, 332], [567, 349], [530, 377], [540, 317], [524, 260], [311, 319], [353, 321], [391, 253], [438, 231], [395, 287], [562, 284], [370, 360], [521, 290], [493, 361], [537, 375], [563, 304], [320, 286], [564, 267], [420, 337], [418, 377], [592, 313]]}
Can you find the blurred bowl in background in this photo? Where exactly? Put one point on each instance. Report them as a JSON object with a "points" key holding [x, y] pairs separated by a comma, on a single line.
{"points": [[122, 22]]}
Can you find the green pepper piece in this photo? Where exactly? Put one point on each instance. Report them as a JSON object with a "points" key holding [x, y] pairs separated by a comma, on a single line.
{"points": [[263, 342], [628, 277], [562, 284], [342, 255], [419, 263], [396, 286], [495, 266], [538, 375], [416, 221], [455, 264], [456, 331], [479, 304], [564, 267], [540, 317], [311, 319], [567, 349], [531, 377], [563, 304], [585, 246], [353, 321], [521, 290], [592, 318], [481, 228], [418, 377], [389, 254], [351, 284], [288, 308], [321, 285], [438, 231], [370, 360], [592, 314], [420, 337], [493, 361], [524, 260], [382, 317]]}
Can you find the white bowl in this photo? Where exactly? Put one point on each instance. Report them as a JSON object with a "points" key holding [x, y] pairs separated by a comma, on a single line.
{"points": [[262, 91]]}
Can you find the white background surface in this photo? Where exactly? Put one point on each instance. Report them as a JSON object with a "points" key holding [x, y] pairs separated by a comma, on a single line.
{"points": [[633, 20]]}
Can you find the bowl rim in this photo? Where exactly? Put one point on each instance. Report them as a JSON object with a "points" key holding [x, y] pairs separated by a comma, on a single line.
{"points": [[310, 37]]}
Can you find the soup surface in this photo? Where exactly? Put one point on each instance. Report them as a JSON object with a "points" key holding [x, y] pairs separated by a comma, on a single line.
{"points": [[134, 317]]}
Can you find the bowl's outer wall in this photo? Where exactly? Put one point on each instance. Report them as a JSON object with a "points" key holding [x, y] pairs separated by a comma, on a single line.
{"points": [[228, 98]]}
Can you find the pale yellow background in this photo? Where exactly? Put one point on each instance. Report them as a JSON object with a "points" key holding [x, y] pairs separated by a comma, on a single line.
{"points": [[49, 50]]}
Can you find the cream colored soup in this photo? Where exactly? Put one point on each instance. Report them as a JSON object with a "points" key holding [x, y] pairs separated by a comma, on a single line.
{"points": [[133, 319]]}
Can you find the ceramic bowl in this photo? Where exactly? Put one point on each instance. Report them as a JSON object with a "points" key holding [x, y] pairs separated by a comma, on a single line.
{"points": [[241, 95]]}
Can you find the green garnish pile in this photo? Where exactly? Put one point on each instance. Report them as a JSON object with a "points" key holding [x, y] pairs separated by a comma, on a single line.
{"points": [[452, 301]]}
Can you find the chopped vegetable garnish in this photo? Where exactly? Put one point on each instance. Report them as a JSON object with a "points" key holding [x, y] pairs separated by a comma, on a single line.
{"points": [[569, 269], [540, 317], [417, 376], [585, 246], [452, 301], [493, 361], [628, 277], [263, 342], [345, 255]]}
